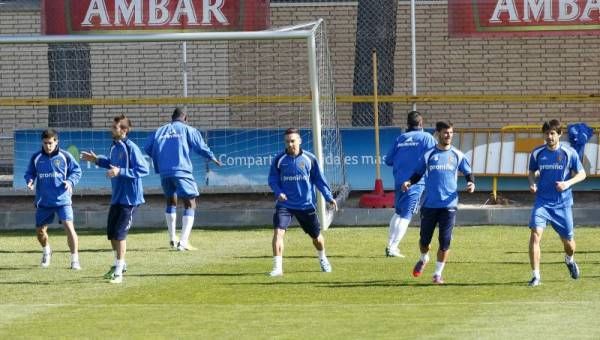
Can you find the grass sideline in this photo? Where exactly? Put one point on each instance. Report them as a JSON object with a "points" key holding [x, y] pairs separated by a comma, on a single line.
{"points": [[222, 291]]}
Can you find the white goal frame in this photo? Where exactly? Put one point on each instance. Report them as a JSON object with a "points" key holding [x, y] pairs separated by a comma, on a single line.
{"points": [[305, 32]]}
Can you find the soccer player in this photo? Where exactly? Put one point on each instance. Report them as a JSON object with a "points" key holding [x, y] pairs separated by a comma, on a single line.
{"points": [[553, 169], [126, 167], [170, 147], [441, 165], [52, 173], [408, 147], [292, 177]]}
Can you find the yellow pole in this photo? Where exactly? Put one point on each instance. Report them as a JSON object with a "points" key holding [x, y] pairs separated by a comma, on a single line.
{"points": [[495, 188], [376, 117]]}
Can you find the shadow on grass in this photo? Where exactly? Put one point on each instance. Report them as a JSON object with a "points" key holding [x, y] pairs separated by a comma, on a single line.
{"points": [[556, 252], [19, 268], [196, 274], [102, 250], [310, 257], [379, 283], [35, 283]]}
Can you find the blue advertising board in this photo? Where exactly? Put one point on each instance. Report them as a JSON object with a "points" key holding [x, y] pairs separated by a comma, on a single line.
{"points": [[246, 156]]}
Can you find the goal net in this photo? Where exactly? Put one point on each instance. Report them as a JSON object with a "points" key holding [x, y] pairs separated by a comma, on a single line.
{"points": [[241, 89]]}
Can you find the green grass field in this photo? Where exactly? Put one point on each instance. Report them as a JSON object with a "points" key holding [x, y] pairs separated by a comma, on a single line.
{"points": [[222, 291]]}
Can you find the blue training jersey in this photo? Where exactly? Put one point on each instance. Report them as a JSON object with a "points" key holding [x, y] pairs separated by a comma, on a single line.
{"points": [[441, 168], [296, 178], [49, 171], [554, 166], [170, 147], [408, 147], [127, 187]]}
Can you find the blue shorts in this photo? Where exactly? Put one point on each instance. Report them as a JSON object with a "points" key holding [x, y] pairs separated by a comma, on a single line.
{"points": [[307, 219], [119, 221], [45, 215], [407, 203], [561, 220], [181, 186], [444, 218]]}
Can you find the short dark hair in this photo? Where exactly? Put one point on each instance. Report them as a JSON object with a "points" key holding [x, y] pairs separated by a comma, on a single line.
{"points": [[442, 125], [291, 130], [554, 124], [120, 119], [50, 133], [178, 114], [414, 119]]}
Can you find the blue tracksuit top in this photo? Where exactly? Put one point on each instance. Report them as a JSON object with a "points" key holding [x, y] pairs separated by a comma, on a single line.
{"points": [[50, 171], [127, 187], [554, 166], [296, 178], [407, 149], [170, 146]]}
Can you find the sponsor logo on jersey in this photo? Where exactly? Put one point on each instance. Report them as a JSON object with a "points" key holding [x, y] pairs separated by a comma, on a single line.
{"points": [[296, 178], [48, 175], [408, 143], [169, 135], [551, 167], [442, 167]]}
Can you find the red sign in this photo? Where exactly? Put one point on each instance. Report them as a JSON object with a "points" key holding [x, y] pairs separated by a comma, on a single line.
{"points": [[523, 17], [142, 16]]}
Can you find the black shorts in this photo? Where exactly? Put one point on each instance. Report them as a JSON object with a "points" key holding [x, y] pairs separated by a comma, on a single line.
{"points": [[444, 218], [119, 221], [307, 219]]}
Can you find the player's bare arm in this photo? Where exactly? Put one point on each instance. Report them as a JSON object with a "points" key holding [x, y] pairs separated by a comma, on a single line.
{"points": [[89, 156], [564, 185], [532, 177]]}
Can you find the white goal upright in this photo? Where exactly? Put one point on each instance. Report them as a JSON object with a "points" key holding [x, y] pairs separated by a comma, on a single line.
{"points": [[241, 89]]}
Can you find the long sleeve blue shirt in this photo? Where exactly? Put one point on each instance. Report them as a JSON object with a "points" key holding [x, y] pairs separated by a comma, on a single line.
{"points": [[50, 171], [170, 147], [127, 187], [296, 176], [407, 149]]}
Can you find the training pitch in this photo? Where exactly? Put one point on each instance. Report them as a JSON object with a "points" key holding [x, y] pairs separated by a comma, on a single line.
{"points": [[222, 290]]}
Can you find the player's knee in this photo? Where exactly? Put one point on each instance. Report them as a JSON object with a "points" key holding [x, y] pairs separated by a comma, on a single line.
{"points": [[445, 243], [189, 203]]}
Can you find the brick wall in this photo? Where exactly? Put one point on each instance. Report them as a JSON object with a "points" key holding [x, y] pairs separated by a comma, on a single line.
{"points": [[528, 65]]}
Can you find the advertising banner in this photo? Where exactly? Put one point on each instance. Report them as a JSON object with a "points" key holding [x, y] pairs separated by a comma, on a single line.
{"points": [[143, 16], [246, 158], [482, 18]]}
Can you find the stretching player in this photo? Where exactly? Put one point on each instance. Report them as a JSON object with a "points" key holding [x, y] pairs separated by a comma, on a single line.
{"points": [[170, 147], [408, 147], [292, 177], [52, 173], [126, 167], [553, 169], [441, 164]]}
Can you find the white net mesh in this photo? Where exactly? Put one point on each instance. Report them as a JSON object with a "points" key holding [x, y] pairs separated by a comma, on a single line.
{"points": [[241, 93]]}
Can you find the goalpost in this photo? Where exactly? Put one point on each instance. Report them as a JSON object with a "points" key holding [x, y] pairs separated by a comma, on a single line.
{"points": [[241, 89]]}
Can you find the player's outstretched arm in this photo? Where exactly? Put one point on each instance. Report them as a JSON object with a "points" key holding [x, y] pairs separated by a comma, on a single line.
{"points": [[99, 160]]}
